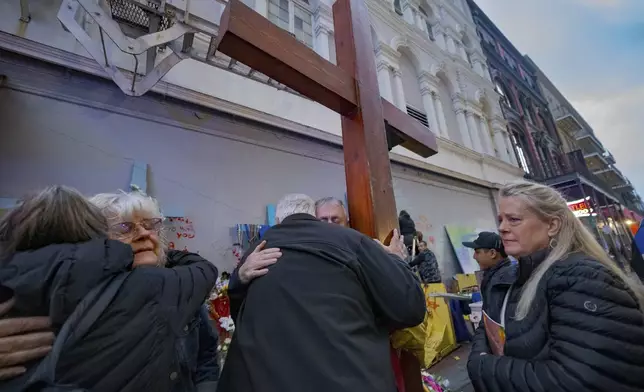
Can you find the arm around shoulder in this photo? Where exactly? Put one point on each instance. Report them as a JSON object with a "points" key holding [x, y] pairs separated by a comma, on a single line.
{"points": [[184, 284], [399, 299]]}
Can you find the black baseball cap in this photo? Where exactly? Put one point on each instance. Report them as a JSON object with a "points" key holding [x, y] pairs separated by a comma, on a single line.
{"points": [[486, 240]]}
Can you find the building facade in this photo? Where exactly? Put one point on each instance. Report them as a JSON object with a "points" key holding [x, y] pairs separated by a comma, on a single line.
{"points": [[532, 130], [221, 142], [598, 192]]}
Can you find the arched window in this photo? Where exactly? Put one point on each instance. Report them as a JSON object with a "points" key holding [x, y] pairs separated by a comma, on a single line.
{"points": [[527, 109], [520, 149], [428, 24], [397, 7], [505, 98], [546, 162]]}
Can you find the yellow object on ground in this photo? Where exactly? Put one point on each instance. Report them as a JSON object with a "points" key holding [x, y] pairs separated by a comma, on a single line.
{"points": [[434, 338], [465, 281]]}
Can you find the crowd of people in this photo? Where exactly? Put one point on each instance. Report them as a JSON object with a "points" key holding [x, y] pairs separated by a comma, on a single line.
{"points": [[92, 299]]}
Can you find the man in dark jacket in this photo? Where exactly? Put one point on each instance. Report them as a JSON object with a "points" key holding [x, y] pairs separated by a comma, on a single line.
{"points": [[320, 319], [427, 264]]}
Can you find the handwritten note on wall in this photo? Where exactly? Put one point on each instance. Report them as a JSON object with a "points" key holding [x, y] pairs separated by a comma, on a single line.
{"points": [[180, 233]]}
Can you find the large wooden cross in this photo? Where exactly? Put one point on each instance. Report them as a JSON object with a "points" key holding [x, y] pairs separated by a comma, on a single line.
{"points": [[371, 126]]}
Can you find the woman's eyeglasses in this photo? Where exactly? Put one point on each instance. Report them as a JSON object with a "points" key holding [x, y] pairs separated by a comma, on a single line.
{"points": [[125, 228]]}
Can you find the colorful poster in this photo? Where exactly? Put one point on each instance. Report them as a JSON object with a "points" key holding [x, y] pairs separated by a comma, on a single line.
{"points": [[180, 233], [459, 234]]}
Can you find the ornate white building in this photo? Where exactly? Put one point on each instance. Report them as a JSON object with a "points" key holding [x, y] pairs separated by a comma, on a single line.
{"points": [[210, 126]]}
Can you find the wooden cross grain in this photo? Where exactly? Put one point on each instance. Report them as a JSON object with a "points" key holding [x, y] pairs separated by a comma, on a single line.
{"points": [[371, 125]]}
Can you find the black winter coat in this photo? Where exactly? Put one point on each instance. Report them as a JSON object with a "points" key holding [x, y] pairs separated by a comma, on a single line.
{"points": [[427, 267], [584, 332], [319, 321], [132, 345], [407, 228]]}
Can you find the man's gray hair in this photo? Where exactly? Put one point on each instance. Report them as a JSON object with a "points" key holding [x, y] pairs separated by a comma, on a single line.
{"points": [[294, 203], [329, 200]]}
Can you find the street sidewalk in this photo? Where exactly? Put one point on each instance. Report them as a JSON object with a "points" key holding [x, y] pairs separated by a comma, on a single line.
{"points": [[454, 368]]}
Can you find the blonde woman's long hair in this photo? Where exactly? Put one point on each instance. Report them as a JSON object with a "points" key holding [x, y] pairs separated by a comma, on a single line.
{"points": [[573, 237]]}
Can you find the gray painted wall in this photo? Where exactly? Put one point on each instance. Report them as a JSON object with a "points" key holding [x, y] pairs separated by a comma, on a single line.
{"points": [[67, 128]]}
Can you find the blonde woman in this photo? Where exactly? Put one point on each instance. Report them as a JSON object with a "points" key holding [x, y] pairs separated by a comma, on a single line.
{"points": [[572, 320]]}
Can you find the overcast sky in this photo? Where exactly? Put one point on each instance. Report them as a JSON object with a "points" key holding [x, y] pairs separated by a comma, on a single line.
{"points": [[593, 51]]}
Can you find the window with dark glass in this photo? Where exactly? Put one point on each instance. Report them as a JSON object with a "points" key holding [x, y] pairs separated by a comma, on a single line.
{"points": [[428, 25], [519, 148], [397, 7]]}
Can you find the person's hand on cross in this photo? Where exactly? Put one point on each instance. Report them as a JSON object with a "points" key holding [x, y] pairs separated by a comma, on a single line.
{"points": [[22, 340], [257, 263], [396, 246]]}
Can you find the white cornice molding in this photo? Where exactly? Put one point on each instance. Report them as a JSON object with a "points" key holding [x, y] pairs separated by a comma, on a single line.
{"points": [[387, 52], [503, 165], [323, 12], [416, 38], [86, 65]]}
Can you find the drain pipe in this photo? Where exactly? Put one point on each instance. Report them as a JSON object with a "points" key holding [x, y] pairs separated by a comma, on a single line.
{"points": [[25, 16]]}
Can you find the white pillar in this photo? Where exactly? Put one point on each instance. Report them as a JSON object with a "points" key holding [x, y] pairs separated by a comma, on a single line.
{"points": [[485, 136], [478, 68], [400, 92], [451, 47], [322, 41], [462, 127], [474, 132], [420, 21], [439, 35], [408, 13], [384, 81], [428, 104], [440, 113], [463, 53]]}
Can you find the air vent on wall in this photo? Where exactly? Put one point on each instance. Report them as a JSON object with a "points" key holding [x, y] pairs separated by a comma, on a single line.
{"points": [[418, 115]]}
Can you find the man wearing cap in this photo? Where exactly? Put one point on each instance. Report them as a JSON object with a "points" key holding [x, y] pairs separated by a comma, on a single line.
{"points": [[499, 274], [488, 250]]}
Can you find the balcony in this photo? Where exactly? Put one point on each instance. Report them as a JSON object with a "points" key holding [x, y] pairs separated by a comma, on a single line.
{"points": [[579, 169], [566, 121], [596, 162], [590, 144], [612, 176]]}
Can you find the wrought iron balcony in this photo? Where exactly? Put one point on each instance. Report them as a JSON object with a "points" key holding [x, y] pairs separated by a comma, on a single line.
{"points": [[612, 176], [577, 167]]}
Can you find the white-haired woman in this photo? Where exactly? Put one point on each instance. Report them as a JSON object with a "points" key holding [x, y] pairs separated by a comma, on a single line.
{"points": [[136, 219], [572, 320], [117, 318]]}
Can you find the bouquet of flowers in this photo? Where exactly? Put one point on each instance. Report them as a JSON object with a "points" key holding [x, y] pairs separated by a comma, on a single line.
{"points": [[219, 307], [433, 383]]}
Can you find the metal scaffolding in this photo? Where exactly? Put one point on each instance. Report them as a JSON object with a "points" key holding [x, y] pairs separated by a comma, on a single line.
{"points": [[165, 31]]}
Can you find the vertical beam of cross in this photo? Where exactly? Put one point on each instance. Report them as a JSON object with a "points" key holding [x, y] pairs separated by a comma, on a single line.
{"points": [[372, 206]]}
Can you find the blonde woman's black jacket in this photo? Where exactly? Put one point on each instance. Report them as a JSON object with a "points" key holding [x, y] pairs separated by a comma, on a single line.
{"points": [[584, 332], [131, 347]]}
